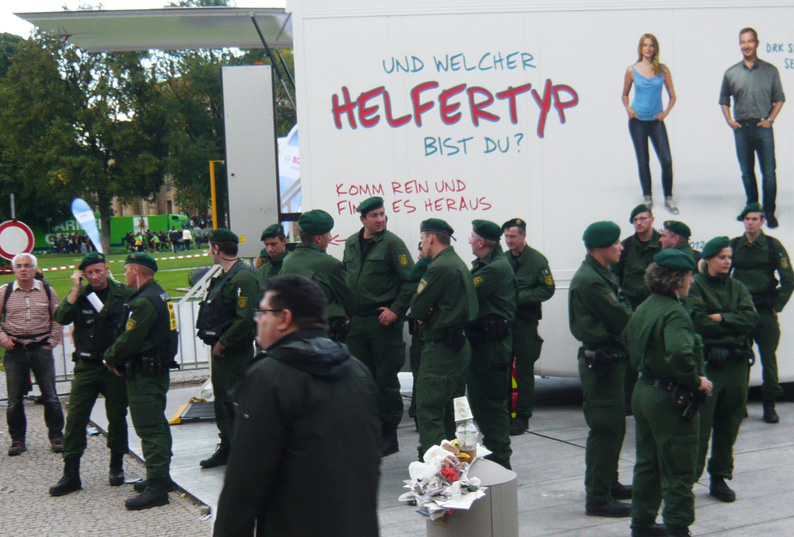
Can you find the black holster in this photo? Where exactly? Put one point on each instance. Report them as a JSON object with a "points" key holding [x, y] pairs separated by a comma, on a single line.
{"points": [[338, 328], [691, 400], [454, 337], [600, 362]]}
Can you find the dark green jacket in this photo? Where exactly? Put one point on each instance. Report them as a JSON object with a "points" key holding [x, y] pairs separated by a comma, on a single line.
{"points": [[751, 266], [728, 297], [597, 310], [271, 268], [630, 269], [312, 262], [662, 342], [93, 332], [445, 296], [495, 283], [535, 282], [136, 338], [379, 272]]}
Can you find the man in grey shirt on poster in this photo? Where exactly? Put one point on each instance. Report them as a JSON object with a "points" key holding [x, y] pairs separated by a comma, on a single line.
{"points": [[757, 100]]}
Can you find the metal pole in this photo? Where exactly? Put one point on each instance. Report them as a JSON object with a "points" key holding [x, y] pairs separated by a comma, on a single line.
{"points": [[214, 195], [13, 212]]}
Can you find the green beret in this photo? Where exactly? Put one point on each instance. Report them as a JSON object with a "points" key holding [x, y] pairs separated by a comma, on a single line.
{"points": [[486, 229], [641, 208], [274, 231], [223, 235], [514, 222], [316, 222], [601, 234], [715, 246], [436, 225], [675, 260], [139, 258], [91, 259], [751, 208], [679, 228], [370, 204]]}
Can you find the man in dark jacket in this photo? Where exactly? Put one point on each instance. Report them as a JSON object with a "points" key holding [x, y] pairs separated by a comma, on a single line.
{"points": [[306, 446]]}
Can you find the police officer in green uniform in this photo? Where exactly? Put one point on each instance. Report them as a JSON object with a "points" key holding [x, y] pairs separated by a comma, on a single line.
{"points": [[144, 352], [226, 323], [96, 322], [415, 354], [637, 254], [276, 250], [491, 339], [762, 264], [668, 353], [311, 261], [535, 286], [723, 314], [445, 301], [676, 235], [597, 314], [378, 267]]}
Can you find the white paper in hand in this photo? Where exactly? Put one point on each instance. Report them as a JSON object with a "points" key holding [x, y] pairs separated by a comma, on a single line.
{"points": [[462, 409], [95, 301]]}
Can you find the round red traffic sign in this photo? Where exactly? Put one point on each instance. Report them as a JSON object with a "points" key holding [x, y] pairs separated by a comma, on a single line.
{"points": [[15, 238]]}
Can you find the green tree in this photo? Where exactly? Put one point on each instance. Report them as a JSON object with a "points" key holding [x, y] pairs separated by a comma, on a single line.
{"points": [[81, 124]]}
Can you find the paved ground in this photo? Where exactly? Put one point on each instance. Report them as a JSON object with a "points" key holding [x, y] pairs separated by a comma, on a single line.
{"points": [[549, 462], [98, 509]]}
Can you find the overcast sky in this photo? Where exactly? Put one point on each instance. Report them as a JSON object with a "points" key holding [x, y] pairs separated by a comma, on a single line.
{"points": [[14, 25]]}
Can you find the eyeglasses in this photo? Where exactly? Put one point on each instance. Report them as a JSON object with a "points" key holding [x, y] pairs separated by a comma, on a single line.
{"points": [[260, 312]]}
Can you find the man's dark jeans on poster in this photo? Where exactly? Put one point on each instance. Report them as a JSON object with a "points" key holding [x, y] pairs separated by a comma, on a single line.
{"points": [[655, 130], [752, 139], [18, 364]]}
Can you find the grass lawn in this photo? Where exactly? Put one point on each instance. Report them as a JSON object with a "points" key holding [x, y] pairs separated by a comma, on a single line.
{"points": [[172, 273]]}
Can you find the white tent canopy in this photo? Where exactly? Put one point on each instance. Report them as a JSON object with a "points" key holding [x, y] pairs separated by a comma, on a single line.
{"points": [[167, 28]]}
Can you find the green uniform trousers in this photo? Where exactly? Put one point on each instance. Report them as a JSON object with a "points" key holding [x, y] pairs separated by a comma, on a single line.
{"points": [[442, 378], [227, 374], [605, 416], [489, 388], [382, 350], [415, 355], [722, 415], [667, 449], [526, 349], [90, 380], [767, 335], [147, 397]]}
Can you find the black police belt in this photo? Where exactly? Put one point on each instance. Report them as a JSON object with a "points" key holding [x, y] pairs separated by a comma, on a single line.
{"points": [[373, 310], [488, 329], [600, 362], [85, 356], [718, 357], [690, 400]]}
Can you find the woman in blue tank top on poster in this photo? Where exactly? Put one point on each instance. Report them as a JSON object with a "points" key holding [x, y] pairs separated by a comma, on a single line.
{"points": [[646, 116]]}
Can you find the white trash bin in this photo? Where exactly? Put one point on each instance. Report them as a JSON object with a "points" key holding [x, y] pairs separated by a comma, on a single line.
{"points": [[495, 515]]}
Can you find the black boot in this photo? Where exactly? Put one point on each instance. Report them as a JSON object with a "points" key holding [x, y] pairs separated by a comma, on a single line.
{"points": [[153, 495], [140, 486], [657, 530], [620, 491], [218, 458], [116, 475], [611, 508], [70, 481], [720, 490], [678, 531], [770, 415], [389, 443], [519, 426]]}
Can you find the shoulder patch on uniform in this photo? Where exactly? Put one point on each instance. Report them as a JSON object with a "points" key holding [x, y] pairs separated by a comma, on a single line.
{"points": [[421, 287], [242, 301], [130, 324], [783, 263], [477, 281], [548, 279], [403, 258]]}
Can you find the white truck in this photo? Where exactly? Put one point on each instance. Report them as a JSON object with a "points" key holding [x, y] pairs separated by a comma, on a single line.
{"points": [[471, 109]]}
